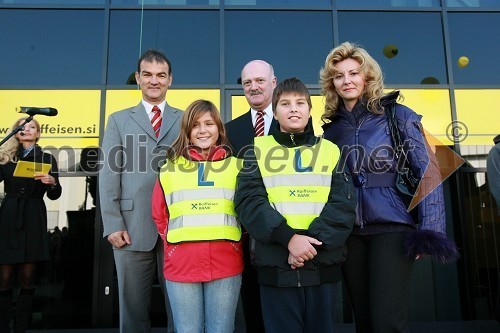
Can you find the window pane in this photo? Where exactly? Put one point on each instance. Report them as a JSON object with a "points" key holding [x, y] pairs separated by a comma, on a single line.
{"points": [[293, 45], [51, 47], [470, 35], [388, 3], [76, 124], [190, 39], [408, 46]]}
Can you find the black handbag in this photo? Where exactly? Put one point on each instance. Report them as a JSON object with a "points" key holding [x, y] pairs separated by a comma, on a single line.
{"points": [[406, 181]]}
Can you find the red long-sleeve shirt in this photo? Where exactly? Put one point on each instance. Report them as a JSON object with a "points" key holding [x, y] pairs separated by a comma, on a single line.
{"points": [[195, 261]]}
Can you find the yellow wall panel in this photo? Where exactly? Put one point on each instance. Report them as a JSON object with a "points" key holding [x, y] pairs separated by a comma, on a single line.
{"points": [[434, 107], [76, 124], [318, 103], [179, 98], [479, 112], [239, 106]]}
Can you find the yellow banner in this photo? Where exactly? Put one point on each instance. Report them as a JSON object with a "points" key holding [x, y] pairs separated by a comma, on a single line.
{"points": [[76, 124], [478, 116]]}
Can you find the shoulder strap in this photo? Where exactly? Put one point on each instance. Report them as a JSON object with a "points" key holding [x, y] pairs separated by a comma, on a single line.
{"points": [[392, 121], [409, 179]]}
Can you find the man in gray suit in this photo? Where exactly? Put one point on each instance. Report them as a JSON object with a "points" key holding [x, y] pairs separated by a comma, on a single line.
{"points": [[132, 152]]}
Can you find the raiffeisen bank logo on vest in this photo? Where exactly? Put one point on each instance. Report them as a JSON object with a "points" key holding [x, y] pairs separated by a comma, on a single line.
{"points": [[301, 193], [203, 205]]}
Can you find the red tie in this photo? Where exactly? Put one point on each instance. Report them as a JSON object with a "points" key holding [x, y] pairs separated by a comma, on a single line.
{"points": [[156, 121], [259, 124]]}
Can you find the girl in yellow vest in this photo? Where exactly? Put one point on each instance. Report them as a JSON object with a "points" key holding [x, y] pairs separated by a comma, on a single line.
{"points": [[193, 209]]}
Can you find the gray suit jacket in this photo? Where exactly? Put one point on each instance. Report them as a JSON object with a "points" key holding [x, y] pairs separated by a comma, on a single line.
{"points": [[131, 155]]}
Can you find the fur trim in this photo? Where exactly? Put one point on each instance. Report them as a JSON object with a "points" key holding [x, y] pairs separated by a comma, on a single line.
{"points": [[430, 243]]}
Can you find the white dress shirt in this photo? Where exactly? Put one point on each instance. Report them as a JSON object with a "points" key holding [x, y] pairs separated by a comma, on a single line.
{"points": [[268, 118], [149, 108]]}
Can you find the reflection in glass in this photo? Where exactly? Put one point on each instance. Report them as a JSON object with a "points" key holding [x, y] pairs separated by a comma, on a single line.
{"points": [[390, 50], [279, 3], [165, 2], [388, 3], [408, 46], [473, 3], [429, 80], [463, 61], [131, 79]]}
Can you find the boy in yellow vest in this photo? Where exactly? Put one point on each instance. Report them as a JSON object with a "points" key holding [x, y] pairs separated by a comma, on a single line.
{"points": [[299, 211]]}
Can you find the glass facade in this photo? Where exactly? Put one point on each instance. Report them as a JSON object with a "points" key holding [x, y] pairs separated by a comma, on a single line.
{"points": [[46, 47], [472, 38], [285, 39], [408, 46], [189, 38], [80, 57]]}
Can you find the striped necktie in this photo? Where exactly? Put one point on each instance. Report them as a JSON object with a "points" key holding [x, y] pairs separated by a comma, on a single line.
{"points": [[156, 121], [259, 124]]}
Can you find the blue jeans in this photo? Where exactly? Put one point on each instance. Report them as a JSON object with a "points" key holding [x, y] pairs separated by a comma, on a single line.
{"points": [[204, 306]]}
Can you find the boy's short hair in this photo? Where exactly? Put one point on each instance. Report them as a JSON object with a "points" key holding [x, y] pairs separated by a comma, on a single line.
{"points": [[290, 85]]}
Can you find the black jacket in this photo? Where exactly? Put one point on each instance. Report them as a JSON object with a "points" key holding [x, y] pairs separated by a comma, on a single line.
{"points": [[270, 233], [23, 215], [240, 133]]}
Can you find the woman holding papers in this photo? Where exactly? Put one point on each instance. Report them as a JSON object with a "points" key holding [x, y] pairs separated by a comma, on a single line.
{"points": [[23, 219]]}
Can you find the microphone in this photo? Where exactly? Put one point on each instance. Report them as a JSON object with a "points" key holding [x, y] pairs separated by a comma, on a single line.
{"points": [[34, 110]]}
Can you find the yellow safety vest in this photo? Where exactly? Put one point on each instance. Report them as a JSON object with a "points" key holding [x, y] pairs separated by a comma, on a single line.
{"points": [[297, 179], [200, 196]]}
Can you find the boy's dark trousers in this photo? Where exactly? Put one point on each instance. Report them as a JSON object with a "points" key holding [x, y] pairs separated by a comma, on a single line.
{"points": [[299, 309]]}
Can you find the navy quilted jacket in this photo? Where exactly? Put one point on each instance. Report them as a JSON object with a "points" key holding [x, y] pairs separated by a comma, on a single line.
{"points": [[367, 149]]}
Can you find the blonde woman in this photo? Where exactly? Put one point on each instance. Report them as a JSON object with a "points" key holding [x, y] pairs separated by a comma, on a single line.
{"points": [[386, 239], [23, 221]]}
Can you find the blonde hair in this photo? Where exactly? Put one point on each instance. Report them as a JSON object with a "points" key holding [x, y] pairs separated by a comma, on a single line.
{"points": [[374, 88], [195, 110], [8, 151]]}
